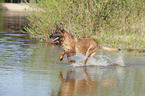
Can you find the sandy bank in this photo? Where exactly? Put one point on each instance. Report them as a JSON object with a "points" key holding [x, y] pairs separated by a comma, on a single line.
{"points": [[15, 6]]}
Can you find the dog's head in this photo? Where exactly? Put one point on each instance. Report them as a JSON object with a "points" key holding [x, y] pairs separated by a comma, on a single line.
{"points": [[57, 35]]}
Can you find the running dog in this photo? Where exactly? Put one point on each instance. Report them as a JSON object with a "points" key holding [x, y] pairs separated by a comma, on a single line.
{"points": [[74, 46]]}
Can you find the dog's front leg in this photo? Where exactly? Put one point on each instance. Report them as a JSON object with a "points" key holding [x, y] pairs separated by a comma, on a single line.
{"points": [[61, 77], [66, 52], [68, 58], [61, 56]]}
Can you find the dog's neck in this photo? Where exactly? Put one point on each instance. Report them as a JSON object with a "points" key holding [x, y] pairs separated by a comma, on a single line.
{"points": [[67, 35]]}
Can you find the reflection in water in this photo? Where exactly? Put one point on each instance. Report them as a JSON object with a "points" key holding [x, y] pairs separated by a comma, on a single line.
{"points": [[12, 21], [89, 81]]}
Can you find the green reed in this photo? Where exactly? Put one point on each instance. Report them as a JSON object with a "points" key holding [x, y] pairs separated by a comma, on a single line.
{"points": [[114, 23]]}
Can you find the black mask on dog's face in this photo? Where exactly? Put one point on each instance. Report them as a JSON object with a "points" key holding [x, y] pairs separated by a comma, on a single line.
{"points": [[55, 37]]}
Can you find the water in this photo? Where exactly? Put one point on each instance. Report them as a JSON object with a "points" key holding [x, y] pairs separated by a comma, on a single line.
{"points": [[30, 68], [101, 59]]}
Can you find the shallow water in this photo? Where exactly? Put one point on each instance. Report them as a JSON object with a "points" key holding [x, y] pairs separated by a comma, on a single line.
{"points": [[30, 68]]}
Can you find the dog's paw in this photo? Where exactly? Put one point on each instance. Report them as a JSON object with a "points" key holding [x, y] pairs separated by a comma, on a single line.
{"points": [[72, 61], [61, 58]]}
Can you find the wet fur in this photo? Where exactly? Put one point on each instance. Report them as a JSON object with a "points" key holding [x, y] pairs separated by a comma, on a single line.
{"points": [[73, 46]]}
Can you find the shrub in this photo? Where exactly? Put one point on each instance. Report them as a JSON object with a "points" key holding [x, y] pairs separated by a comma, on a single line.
{"points": [[105, 20]]}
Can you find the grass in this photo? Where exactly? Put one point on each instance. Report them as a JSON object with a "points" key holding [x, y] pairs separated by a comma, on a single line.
{"points": [[1, 1], [114, 23], [128, 35], [122, 41]]}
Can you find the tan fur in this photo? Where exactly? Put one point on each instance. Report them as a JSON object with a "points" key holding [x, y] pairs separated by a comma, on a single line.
{"points": [[73, 46], [109, 49], [87, 85]]}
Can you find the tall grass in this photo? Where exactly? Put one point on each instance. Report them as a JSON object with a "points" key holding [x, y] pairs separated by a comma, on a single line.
{"points": [[114, 23], [1, 1]]}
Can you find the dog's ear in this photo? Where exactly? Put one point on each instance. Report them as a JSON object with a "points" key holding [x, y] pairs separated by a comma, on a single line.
{"points": [[61, 27]]}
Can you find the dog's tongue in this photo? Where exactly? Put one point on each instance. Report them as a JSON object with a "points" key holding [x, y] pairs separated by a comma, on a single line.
{"points": [[55, 39]]}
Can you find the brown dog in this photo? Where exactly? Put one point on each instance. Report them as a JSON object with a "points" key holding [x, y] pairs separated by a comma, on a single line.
{"points": [[73, 46]]}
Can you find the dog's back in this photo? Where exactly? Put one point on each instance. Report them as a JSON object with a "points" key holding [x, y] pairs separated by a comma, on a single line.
{"points": [[84, 44], [73, 46]]}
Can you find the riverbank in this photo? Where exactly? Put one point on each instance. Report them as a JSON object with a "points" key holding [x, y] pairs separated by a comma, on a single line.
{"points": [[15, 6], [131, 41], [114, 24]]}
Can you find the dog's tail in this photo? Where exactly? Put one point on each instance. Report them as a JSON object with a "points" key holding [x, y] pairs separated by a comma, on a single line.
{"points": [[109, 49]]}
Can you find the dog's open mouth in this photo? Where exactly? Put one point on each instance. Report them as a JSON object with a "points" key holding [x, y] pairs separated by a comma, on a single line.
{"points": [[55, 37], [55, 40]]}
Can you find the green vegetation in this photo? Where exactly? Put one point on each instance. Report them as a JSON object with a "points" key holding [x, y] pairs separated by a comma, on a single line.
{"points": [[114, 23], [1, 1]]}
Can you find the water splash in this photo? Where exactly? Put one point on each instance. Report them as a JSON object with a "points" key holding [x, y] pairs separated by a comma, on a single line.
{"points": [[120, 59], [100, 60]]}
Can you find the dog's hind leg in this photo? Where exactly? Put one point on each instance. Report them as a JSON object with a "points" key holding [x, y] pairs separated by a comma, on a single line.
{"points": [[90, 52]]}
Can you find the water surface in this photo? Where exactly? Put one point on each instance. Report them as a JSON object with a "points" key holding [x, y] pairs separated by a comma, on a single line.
{"points": [[30, 68]]}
